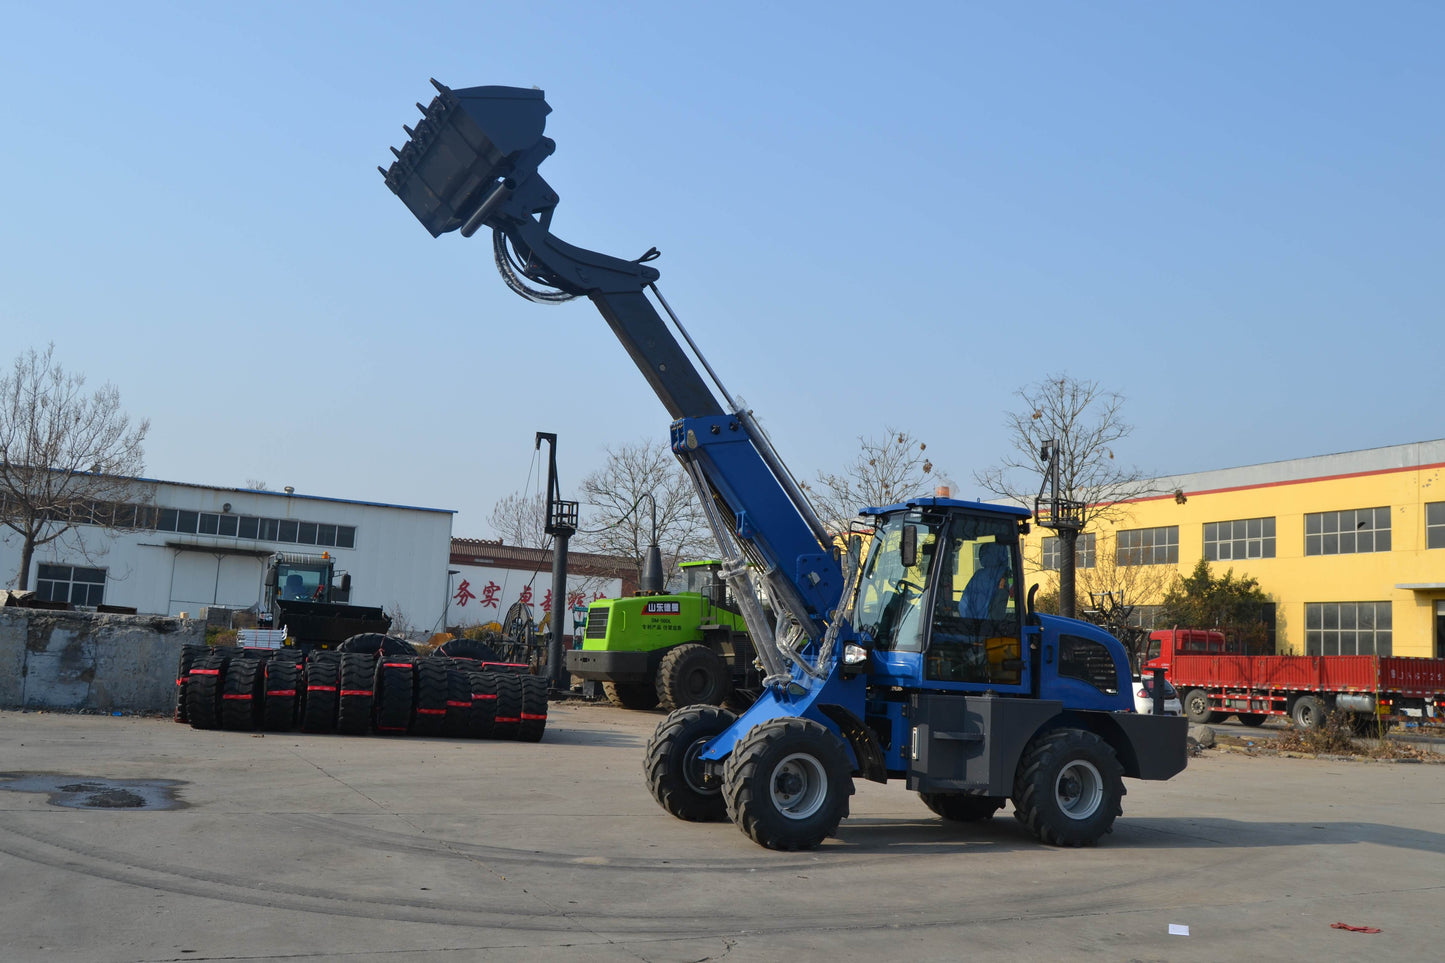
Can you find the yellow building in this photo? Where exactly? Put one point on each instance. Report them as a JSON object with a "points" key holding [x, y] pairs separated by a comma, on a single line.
{"points": [[1350, 547]]}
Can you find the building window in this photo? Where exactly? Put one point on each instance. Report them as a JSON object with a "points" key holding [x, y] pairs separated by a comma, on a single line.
{"points": [[1144, 616], [280, 529], [345, 536], [1347, 628], [1435, 525], [1348, 532], [70, 583], [1148, 546], [1083, 552], [1240, 539]]}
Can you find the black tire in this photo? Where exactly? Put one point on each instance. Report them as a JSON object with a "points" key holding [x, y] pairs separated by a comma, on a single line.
{"points": [[354, 695], [1308, 712], [961, 807], [392, 688], [190, 654], [375, 643], [1069, 788], [468, 649], [458, 723], [203, 691], [429, 714], [787, 783], [692, 675], [241, 690], [1196, 707], [1252, 719], [534, 708], [631, 695], [507, 723], [671, 768], [482, 693], [318, 707], [283, 693]]}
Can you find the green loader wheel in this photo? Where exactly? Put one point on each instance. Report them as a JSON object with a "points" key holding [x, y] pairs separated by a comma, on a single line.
{"points": [[692, 675], [631, 695]]}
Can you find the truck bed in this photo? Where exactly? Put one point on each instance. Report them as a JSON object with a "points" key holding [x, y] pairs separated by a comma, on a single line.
{"points": [[1311, 673]]}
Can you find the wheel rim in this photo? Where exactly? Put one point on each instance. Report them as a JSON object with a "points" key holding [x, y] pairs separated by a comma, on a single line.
{"points": [[1079, 789], [697, 682], [692, 769], [798, 786]]}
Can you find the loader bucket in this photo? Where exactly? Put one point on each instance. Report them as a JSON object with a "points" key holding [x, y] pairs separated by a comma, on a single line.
{"points": [[466, 141]]}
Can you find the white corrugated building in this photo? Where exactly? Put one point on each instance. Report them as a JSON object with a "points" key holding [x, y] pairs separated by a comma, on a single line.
{"points": [[190, 547]]}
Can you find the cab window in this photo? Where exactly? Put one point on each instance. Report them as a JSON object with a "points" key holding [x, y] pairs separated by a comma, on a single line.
{"points": [[975, 631]]}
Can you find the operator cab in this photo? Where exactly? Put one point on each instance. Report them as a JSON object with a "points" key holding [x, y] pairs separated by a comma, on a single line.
{"points": [[939, 596], [705, 578]]}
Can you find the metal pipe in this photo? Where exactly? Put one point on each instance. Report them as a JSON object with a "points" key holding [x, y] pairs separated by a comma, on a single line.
{"points": [[499, 196]]}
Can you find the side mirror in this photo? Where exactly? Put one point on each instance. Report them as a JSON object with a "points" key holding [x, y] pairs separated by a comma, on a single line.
{"points": [[346, 581], [908, 549]]}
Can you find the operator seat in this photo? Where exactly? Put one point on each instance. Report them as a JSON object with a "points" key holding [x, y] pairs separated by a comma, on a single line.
{"points": [[986, 594], [295, 587]]}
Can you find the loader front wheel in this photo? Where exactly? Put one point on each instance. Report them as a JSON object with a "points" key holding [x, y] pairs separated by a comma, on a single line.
{"points": [[1069, 788], [692, 675], [673, 771], [787, 783]]}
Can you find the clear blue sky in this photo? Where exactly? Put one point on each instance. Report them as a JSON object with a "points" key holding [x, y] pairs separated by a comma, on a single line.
{"points": [[869, 215]]}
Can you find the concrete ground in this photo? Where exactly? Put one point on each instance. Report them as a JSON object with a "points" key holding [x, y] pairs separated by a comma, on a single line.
{"points": [[323, 848]]}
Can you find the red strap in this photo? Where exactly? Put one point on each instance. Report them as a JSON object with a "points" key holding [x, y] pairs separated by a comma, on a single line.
{"points": [[1354, 929]]}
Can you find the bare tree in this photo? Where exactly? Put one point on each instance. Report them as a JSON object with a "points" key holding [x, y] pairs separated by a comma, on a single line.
{"points": [[1085, 422], [617, 518], [520, 520], [884, 471], [66, 456]]}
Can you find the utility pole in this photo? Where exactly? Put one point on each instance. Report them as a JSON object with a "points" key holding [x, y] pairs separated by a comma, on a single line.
{"points": [[1063, 516], [561, 525]]}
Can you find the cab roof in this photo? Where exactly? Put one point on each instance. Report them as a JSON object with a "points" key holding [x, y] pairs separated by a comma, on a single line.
{"points": [[916, 504]]}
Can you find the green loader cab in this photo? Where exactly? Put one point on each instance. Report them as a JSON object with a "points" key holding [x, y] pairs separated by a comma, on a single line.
{"points": [[672, 650]]}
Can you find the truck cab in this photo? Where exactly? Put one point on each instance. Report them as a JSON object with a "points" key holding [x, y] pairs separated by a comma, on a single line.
{"points": [[1164, 644]]}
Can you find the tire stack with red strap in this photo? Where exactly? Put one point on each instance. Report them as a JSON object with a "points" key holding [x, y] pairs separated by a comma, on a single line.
{"points": [[370, 684]]}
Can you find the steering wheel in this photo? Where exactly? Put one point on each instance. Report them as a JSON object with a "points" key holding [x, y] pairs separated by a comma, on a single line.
{"points": [[903, 583]]}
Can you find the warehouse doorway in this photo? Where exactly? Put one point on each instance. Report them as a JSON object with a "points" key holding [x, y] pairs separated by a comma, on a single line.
{"points": [[1440, 629]]}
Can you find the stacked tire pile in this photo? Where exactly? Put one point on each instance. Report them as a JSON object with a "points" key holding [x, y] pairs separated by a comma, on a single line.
{"points": [[369, 684]]}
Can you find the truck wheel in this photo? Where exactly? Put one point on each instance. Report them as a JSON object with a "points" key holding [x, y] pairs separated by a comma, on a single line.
{"points": [[1251, 719], [1308, 712], [1196, 707], [240, 695], [1068, 788], [961, 807], [354, 697], [429, 716], [692, 675], [392, 694], [631, 695], [318, 709], [787, 783], [673, 773], [283, 684]]}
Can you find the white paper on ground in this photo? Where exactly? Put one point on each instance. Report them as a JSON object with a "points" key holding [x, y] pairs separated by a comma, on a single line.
{"points": [[1178, 929]]}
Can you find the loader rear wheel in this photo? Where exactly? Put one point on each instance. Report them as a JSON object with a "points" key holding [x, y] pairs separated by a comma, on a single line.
{"points": [[1196, 707], [961, 807], [672, 769], [631, 695], [1308, 712], [692, 675], [787, 783], [1069, 788]]}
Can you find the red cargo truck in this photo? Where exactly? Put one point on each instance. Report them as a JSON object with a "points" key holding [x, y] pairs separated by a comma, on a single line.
{"points": [[1216, 680]]}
